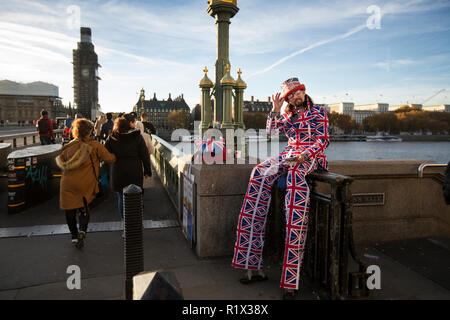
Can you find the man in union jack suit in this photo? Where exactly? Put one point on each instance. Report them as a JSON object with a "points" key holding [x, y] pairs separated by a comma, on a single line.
{"points": [[306, 126]]}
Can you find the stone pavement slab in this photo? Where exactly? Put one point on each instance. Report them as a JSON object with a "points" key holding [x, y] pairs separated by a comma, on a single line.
{"points": [[35, 267], [157, 206], [424, 256], [398, 280]]}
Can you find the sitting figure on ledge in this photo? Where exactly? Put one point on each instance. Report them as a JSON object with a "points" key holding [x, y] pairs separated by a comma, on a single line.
{"points": [[306, 126]]}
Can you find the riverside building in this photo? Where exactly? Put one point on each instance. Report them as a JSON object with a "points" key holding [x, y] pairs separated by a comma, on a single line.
{"points": [[24, 101], [158, 110]]}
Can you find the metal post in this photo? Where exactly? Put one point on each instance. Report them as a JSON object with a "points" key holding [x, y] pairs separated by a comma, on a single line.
{"points": [[227, 83], [239, 101], [346, 208], [206, 85], [134, 244], [222, 12], [335, 215]]}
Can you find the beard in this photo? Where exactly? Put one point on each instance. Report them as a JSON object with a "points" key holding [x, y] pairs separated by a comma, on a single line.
{"points": [[298, 103]]}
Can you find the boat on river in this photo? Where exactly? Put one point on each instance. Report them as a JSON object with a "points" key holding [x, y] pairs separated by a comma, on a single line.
{"points": [[383, 139]]}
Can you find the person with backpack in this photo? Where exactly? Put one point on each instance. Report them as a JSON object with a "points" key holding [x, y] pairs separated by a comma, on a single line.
{"points": [[79, 161], [45, 128]]}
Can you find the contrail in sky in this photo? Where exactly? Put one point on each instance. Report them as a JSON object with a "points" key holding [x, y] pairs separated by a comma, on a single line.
{"points": [[317, 44]]}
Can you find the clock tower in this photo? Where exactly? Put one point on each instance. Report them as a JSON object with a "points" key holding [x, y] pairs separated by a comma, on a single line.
{"points": [[85, 76]]}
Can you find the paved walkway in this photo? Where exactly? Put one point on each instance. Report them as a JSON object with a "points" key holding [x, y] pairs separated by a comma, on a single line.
{"points": [[34, 266]]}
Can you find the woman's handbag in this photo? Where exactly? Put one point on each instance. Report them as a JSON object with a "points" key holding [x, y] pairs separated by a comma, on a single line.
{"points": [[101, 188]]}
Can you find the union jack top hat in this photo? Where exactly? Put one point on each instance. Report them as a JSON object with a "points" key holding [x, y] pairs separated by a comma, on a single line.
{"points": [[290, 86]]}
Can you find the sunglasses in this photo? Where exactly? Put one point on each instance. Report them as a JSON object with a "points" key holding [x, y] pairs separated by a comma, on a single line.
{"points": [[292, 95]]}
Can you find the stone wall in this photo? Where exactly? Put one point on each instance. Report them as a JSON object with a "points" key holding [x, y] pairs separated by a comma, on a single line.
{"points": [[413, 207], [220, 191]]}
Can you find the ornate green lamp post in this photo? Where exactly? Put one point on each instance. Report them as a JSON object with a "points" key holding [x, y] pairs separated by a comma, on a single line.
{"points": [[239, 88], [222, 11], [227, 83], [206, 85]]}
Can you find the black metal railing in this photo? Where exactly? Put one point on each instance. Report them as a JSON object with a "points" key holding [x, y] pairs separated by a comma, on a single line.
{"points": [[329, 238]]}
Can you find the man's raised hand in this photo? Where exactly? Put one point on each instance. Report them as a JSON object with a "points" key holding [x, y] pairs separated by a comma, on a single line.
{"points": [[277, 102]]}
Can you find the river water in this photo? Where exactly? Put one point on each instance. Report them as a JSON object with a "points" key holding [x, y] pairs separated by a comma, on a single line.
{"points": [[355, 150]]}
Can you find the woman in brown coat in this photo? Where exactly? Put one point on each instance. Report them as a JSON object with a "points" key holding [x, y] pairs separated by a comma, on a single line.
{"points": [[80, 160]]}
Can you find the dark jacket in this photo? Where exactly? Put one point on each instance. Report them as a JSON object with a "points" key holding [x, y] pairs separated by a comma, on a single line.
{"points": [[149, 128], [49, 125], [446, 187], [132, 155], [106, 129]]}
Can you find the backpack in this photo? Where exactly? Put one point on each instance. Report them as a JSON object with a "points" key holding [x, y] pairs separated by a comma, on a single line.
{"points": [[43, 126]]}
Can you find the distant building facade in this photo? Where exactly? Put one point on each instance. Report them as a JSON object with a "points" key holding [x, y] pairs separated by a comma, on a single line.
{"points": [[411, 105], [257, 106], [85, 76], [361, 112], [375, 107], [439, 107], [158, 110], [342, 107], [24, 101]]}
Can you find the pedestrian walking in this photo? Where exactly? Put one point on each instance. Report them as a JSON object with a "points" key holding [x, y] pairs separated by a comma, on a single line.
{"points": [[306, 126], [146, 136], [68, 122], [79, 161], [106, 127], [133, 158], [148, 126], [45, 128], [98, 126]]}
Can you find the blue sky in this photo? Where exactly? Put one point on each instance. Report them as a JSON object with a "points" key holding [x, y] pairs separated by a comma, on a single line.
{"points": [[334, 47]]}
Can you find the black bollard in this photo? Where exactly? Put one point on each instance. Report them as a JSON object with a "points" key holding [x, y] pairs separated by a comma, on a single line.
{"points": [[16, 185], [134, 244]]}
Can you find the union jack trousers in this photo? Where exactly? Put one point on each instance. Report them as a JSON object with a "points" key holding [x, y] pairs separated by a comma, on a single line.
{"points": [[308, 134]]}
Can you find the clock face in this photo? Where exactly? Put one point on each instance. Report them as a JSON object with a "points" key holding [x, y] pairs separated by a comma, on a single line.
{"points": [[85, 72]]}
